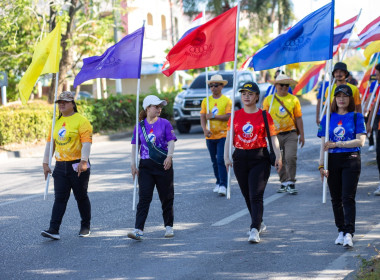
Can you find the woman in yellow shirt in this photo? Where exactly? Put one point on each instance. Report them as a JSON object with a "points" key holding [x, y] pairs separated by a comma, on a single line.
{"points": [[72, 144]]}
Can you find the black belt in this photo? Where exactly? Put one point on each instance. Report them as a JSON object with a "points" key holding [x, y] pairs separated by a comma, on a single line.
{"points": [[287, 132]]}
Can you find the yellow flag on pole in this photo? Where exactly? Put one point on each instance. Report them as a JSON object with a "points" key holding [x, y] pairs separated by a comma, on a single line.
{"points": [[45, 59], [371, 49]]}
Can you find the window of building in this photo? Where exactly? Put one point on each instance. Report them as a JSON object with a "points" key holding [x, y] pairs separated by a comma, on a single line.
{"points": [[149, 19], [163, 28]]}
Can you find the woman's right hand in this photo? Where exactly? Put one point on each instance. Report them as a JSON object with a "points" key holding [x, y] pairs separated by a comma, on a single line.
{"points": [[324, 173], [228, 163], [134, 171], [47, 170]]}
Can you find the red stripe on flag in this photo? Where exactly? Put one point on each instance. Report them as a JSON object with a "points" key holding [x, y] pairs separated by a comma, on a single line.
{"points": [[307, 76]]}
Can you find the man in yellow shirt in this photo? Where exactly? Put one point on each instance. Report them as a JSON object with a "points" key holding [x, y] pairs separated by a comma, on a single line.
{"points": [[287, 117], [340, 73], [218, 115]]}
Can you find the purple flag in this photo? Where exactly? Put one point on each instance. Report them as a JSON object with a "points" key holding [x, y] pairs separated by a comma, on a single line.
{"points": [[121, 61]]}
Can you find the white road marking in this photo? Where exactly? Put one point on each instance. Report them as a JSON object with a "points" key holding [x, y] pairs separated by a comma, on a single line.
{"points": [[243, 212]]}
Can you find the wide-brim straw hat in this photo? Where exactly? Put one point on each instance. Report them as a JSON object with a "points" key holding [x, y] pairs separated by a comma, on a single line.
{"points": [[217, 79], [283, 79]]}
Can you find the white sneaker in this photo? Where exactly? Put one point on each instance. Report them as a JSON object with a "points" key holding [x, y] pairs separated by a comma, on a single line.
{"points": [[216, 189], [136, 234], [222, 191], [263, 228], [347, 242], [340, 239], [254, 236], [169, 232], [377, 191], [371, 148]]}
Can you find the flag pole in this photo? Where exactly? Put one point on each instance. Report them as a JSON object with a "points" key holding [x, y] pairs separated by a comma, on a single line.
{"points": [[206, 70], [233, 102], [271, 93], [376, 106], [368, 84], [323, 91], [349, 38], [51, 136], [326, 159], [137, 132]]}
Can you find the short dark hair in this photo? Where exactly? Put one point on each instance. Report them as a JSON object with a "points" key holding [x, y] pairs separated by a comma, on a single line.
{"points": [[377, 67], [350, 108]]}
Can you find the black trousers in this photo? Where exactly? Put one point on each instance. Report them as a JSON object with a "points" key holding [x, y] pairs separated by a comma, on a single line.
{"points": [[65, 179], [344, 172], [252, 170], [152, 174]]}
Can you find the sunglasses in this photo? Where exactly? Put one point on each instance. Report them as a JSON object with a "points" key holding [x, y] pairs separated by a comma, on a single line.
{"points": [[214, 85], [283, 85]]}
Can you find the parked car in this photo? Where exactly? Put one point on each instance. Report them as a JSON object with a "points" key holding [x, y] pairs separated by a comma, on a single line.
{"points": [[84, 95], [263, 89], [187, 104]]}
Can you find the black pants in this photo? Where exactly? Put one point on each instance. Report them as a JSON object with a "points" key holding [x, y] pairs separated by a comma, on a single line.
{"points": [[252, 170], [65, 179], [344, 172], [152, 174]]}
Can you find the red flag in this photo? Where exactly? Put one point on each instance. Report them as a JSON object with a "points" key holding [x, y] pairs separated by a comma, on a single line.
{"points": [[210, 44]]}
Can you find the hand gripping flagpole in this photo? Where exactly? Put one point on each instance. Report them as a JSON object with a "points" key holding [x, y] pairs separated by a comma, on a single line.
{"points": [[326, 158], [51, 136], [233, 103], [137, 132]]}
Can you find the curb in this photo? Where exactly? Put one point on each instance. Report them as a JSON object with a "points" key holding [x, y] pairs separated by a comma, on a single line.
{"points": [[39, 150]]}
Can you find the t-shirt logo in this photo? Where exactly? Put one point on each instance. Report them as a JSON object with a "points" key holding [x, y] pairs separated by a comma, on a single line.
{"points": [[62, 132], [281, 110], [151, 136], [339, 131], [215, 109], [247, 128]]}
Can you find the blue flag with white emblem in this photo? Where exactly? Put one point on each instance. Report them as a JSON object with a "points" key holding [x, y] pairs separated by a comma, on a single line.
{"points": [[121, 61], [311, 39]]}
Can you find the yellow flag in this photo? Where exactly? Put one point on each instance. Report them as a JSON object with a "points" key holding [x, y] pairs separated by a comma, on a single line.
{"points": [[45, 59], [371, 49]]}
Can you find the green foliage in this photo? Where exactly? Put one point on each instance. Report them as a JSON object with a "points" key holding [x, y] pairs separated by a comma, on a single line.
{"points": [[32, 122]]}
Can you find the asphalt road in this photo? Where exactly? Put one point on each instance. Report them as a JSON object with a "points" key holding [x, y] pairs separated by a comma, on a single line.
{"points": [[210, 231]]}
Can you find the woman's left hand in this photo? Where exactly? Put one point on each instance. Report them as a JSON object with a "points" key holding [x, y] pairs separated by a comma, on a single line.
{"points": [[168, 162], [330, 145], [278, 165], [82, 167]]}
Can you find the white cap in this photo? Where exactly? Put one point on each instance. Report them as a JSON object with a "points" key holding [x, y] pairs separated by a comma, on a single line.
{"points": [[153, 100]]}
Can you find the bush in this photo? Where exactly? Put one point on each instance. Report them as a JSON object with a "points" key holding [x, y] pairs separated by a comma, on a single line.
{"points": [[32, 122]]}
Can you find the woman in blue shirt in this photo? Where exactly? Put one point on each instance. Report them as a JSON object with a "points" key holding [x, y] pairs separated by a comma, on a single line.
{"points": [[346, 136]]}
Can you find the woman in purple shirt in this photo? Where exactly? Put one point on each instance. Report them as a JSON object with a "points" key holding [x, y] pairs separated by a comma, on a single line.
{"points": [[159, 132]]}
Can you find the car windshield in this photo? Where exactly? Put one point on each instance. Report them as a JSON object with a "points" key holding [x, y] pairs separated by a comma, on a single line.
{"points": [[200, 82]]}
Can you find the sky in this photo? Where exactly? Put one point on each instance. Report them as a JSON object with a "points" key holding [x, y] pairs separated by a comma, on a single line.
{"points": [[344, 10]]}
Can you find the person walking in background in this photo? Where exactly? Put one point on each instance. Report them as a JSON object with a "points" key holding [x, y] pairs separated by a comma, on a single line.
{"points": [[287, 117], [270, 90], [153, 170], [376, 122], [251, 161], [219, 113], [340, 73], [346, 137], [72, 144]]}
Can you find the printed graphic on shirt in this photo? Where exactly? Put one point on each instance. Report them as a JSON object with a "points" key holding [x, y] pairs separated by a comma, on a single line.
{"points": [[339, 132], [247, 136], [215, 109], [151, 136]]}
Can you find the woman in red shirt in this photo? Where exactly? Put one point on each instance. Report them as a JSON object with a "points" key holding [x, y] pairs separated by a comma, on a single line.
{"points": [[251, 160]]}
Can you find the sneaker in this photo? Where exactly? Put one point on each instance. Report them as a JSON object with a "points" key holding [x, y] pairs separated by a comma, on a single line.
{"points": [[136, 234], [222, 190], [169, 232], [292, 189], [377, 191], [216, 189], [263, 228], [282, 189], [51, 233], [347, 240], [254, 236], [340, 239], [84, 232], [371, 148]]}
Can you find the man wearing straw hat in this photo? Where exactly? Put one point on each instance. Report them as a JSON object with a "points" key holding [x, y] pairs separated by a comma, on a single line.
{"points": [[218, 114], [287, 117]]}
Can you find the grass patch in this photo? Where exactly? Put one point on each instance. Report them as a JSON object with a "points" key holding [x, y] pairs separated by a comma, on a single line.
{"points": [[369, 269]]}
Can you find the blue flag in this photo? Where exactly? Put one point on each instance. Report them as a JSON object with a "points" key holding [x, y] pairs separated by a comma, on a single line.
{"points": [[311, 39], [121, 61]]}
